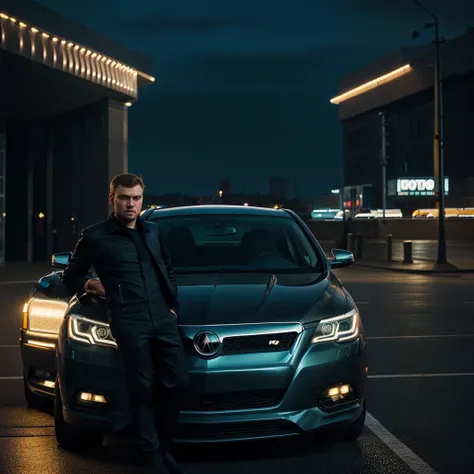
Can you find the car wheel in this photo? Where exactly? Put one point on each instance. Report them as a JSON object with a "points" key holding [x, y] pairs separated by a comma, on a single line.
{"points": [[71, 437], [351, 431], [34, 400]]}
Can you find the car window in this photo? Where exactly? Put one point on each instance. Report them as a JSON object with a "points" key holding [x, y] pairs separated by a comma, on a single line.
{"points": [[236, 243]]}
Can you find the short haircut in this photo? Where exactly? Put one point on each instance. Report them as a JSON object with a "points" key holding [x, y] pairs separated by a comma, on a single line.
{"points": [[127, 180]]}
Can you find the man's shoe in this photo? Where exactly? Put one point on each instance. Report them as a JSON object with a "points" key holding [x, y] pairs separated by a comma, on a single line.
{"points": [[170, 462]]}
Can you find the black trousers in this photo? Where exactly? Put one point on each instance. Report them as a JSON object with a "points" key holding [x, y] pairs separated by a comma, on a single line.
{"points": [[154, 363]]}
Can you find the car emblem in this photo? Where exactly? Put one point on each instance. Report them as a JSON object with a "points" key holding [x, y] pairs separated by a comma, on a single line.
{"points": [[102, 333], [206, 343]]}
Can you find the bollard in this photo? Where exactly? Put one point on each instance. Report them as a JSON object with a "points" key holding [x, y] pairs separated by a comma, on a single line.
{"points": [[354, 244], [350, 242], [389, 247], [407, 251], [360, 245]]}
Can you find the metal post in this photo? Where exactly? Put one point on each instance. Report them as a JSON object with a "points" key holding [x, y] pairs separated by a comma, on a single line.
{"points": [[438, 140], [439, 153], [389, 248], [350, 242]]}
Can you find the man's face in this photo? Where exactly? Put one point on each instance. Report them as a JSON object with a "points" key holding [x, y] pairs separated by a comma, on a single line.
{"points": [[127, 202]]}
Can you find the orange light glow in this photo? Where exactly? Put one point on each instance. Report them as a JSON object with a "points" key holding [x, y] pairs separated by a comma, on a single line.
{"points": [[102, 72], [372, 84]]}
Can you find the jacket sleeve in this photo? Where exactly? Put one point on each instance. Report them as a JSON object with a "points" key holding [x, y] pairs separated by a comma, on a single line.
{"points": [[77, 272], [171, 273]]}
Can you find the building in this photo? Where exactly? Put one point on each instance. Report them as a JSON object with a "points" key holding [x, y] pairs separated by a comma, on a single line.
{"points": [[391, 101], [63, 127]]}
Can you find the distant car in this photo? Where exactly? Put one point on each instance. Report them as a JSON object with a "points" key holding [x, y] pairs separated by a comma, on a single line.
{"points": [[379, 214], [274, 343]]}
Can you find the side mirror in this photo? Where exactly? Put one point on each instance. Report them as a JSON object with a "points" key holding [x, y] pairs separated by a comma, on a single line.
{"points": [[60, 260], [342, 258]]}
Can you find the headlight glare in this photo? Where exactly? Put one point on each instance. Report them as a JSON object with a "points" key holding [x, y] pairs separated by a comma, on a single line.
{"points": [[89, 331], [339, 329], [44, 315]]}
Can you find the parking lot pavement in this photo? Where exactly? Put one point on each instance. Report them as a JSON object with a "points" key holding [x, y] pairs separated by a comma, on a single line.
{"points": [[420, 331], [27, 444]]}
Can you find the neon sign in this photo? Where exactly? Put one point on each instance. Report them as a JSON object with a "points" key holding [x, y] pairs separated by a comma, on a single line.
{"points": [[419, 186]]}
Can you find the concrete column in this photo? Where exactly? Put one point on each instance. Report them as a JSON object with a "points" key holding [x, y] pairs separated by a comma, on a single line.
{"points": [[30, 172], [50, 192], [90, 149], [17, 205], [117, 143], [63, 177], [3, 184]]}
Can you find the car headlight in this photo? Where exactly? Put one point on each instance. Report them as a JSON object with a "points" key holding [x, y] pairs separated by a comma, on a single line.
{"points": [[339, 328], [89, 331], [43, 315]]}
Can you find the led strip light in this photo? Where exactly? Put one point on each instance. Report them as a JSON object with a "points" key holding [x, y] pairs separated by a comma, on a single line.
{"points": [[59, 53], [378, 81]]}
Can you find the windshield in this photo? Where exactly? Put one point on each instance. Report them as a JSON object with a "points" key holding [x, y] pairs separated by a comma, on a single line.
{"points": [[235, 243]]}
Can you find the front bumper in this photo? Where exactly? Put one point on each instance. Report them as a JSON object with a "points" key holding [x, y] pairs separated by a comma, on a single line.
{"points": [[38, 355], [301, 376]]}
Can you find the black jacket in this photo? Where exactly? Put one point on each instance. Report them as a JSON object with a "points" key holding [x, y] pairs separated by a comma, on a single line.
{"points": [[101, 246]]}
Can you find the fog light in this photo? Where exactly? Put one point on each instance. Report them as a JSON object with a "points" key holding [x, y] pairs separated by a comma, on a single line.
{"points": [[339, 392], [91, 397], [49, 384], [333, 392]]}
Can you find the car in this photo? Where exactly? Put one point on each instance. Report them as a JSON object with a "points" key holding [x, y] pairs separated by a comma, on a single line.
{"points": [[274, 343]]}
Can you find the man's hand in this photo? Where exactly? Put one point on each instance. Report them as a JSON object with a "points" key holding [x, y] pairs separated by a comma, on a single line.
{"points": [[94, 287], [174, 312]]}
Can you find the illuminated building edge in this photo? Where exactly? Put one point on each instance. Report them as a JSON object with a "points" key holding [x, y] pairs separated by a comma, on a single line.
{"points": [[372, 84], [39, 45]]}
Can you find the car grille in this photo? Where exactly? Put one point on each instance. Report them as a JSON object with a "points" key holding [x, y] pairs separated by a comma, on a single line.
{"points": [[239, 430], [242, 400], [277, 342]]}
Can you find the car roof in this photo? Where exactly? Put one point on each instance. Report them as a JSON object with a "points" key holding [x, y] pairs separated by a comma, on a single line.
{"points": [[226, 209]]}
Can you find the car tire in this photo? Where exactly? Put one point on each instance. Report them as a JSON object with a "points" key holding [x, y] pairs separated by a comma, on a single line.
{"points": [[353, 430], [71, 437]]}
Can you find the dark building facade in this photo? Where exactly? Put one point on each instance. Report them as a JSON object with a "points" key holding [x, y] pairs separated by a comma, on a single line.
{"points": [[392, 101], [63, 127]]}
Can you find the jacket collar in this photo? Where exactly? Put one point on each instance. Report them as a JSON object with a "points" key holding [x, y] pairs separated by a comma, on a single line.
{"points": [[113, 225]]}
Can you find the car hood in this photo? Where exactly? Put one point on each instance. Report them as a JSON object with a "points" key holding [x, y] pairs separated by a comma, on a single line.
{"points": [[258, 298]]}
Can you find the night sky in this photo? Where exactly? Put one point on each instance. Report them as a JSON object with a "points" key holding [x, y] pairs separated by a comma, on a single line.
{"points": [[243, 86]]}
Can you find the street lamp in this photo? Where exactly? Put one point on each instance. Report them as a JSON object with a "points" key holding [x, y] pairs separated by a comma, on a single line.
{"points": [[438, 139]]}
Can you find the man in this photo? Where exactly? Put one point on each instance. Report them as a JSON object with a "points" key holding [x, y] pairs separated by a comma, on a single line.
{"points": [[137, 279]]}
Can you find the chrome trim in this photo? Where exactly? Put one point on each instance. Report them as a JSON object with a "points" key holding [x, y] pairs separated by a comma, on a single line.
{"points": [[225, 331], [41, 345], [41, 334], [298, 326]]}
